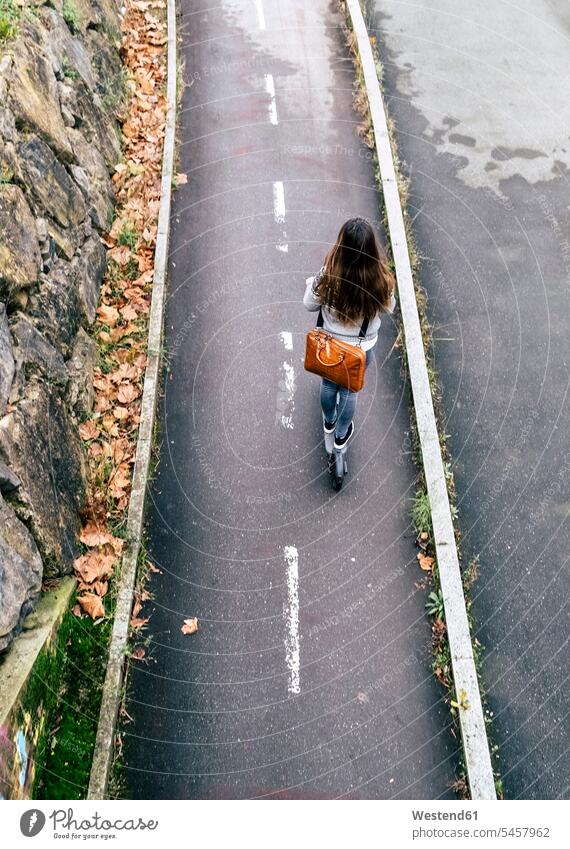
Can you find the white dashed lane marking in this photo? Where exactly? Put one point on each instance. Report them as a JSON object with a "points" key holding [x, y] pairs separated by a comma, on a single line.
{"points": [[270, 89], [286, 386], [279, 202], [291, 614], [260, 13], [279, 213]]}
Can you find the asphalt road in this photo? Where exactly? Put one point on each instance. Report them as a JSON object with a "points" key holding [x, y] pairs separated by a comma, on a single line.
{"points": [[481, 103], [310, 674]]}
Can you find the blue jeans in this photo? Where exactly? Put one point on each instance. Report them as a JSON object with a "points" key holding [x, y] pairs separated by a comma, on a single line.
{"points": [[339, 404]]}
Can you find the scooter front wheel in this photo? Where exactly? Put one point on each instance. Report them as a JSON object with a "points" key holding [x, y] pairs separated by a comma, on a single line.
{"points": [[340, 469]]}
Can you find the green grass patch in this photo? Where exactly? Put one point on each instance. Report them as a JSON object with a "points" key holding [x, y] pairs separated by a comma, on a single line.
{"points": [[71, 685], [128, 236], [421, 513], [70, 15], [10, 16]]}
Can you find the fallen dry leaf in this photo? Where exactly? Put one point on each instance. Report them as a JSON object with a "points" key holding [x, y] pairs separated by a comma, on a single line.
{"points": [[108, 315], [138, 653], [425, 562], [180, 179], [87, 568], [94, 565], [121, 413], [190, 626], [92, 535], [128, 313], [88, 430], [438, 627], [92, 605], [127, 393]]}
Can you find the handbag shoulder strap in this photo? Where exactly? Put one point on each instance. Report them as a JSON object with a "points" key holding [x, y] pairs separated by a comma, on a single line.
{"points": [[363, 328]]}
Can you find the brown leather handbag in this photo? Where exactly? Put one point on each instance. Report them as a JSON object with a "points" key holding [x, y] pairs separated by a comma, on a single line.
{"points": [[340, 362]]}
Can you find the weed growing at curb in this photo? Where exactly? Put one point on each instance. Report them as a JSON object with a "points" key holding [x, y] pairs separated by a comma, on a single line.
{"points": [[420, 511]]}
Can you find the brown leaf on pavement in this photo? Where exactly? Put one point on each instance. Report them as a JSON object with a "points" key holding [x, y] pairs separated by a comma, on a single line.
{"points": [[438, 628], [422, 540], [190, 626], [425, 562]]}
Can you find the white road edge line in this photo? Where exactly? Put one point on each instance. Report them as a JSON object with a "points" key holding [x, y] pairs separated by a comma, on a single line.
{"points": [[260, 13], [291, 615], [473, 731], [270, 89], [112, 687]]}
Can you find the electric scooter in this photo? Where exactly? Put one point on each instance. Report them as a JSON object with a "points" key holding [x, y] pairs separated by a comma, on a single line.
{"points": [[337, 461]]}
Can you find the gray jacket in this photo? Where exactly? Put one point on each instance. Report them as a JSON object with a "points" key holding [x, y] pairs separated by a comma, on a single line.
{"points": [[347, 332]]}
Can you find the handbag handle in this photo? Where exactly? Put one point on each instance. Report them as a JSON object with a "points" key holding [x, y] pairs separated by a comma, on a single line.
{"points": [[328, 365]]}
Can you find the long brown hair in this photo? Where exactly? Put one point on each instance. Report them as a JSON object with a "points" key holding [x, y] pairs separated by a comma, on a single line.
{"points": [[356, 282]]}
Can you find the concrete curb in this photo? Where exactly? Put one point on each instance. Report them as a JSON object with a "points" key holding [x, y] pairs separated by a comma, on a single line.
{"points": [[473, 731], [18, 663], [104, 744]]}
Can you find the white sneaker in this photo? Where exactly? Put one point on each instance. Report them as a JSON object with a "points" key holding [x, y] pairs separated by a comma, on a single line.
{"points": [[342, 444]]}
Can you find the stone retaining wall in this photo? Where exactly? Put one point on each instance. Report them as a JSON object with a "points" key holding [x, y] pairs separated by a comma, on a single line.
{"points": [[61, 88]]}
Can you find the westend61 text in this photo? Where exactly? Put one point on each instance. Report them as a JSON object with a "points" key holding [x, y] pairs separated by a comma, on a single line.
{"points": [[445, 815]]}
